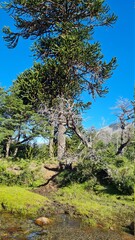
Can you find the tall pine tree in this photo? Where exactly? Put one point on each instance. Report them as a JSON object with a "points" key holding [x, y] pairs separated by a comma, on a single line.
{"points": [[64, 42]]}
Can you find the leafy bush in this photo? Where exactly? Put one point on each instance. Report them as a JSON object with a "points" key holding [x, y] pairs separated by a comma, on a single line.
{"points": [[123, 179], [84, 171], [115, 171], [19, 174], [91, 184]]}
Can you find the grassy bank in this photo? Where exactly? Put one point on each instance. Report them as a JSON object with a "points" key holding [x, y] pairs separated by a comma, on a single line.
{"points": [[98, 208], [95, 208], [19, 200], [95, 204]]}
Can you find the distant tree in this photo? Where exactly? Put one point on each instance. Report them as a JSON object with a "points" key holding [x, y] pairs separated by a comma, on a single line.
{"points": [[125, 113], [18, 122]]}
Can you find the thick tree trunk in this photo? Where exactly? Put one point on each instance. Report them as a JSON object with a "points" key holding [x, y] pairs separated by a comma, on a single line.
{"points": [[122, 146], [61, 141], [124, 140], [61, 131]]}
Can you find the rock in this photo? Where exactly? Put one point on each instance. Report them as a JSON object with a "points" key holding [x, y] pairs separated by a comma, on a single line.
{"points": [[41, 221], [131, 227], [111, 228]]}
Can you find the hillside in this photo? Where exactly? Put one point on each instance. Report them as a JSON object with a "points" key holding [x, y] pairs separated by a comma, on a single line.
{"points": [[105, 134]]}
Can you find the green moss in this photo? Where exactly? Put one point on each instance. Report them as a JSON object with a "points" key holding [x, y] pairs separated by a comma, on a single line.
{"points": [[19, 200], [97, 209]]}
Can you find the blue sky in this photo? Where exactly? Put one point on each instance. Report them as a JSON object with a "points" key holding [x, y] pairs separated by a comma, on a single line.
{"points": [[115, 41]]}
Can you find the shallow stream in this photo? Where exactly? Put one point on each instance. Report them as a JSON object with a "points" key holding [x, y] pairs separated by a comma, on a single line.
{"points": [[62, 228]]}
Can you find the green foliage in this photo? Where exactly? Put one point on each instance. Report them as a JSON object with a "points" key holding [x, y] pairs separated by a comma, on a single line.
{"points": [[22, 173], [101, 167], [85, 170], [123, 178], [63, 17], [129, 150], [119, 169], [42, 153], [92, 184], [99, 145], [19, 123], [18, 200], [71, 62], [73, 143]]}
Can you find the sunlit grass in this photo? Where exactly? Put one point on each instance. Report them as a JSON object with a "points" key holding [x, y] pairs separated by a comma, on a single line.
{"points": [[19, 200], [96, 208]]}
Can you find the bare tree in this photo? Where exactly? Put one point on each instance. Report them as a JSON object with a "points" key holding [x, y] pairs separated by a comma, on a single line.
{"points": [[125, 113]]}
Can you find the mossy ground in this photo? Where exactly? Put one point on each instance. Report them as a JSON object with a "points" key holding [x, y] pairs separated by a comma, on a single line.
{"points": [[19, 200], [98, 208]]}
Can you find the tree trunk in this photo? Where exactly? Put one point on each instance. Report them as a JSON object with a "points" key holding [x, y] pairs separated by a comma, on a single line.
{"points": [[15, 152], [51, 142], [8, 144], [18, 139], [61, 141], [83, 138], [51, 139], [61, 131], [51, 148]]}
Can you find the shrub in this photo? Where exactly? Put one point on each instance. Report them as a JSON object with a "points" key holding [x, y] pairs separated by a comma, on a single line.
{"points": [[123, 179], [19, 174]]}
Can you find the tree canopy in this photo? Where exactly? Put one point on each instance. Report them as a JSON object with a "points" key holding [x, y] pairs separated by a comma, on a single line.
{"points": [[34, 19]]}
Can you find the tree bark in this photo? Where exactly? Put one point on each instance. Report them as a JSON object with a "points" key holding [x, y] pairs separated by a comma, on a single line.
{"points": [[8, 144], [122, 146], [51, 142], [18, 139], [15, 152], [82, 137], [61, 141], [61, 131]]}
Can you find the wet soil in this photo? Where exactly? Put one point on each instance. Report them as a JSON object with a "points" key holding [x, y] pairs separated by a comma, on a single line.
{"points": [[62, 228]]}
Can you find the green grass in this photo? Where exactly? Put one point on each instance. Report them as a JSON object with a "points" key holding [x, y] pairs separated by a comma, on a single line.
{"points": [[19, 200], [98, 208]]}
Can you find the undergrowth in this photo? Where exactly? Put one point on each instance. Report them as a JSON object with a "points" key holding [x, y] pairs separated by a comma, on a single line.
{"points": [[22, 172]]}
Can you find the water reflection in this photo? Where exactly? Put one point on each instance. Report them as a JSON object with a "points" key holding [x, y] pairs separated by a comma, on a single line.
{"points": [[63, 228]]}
